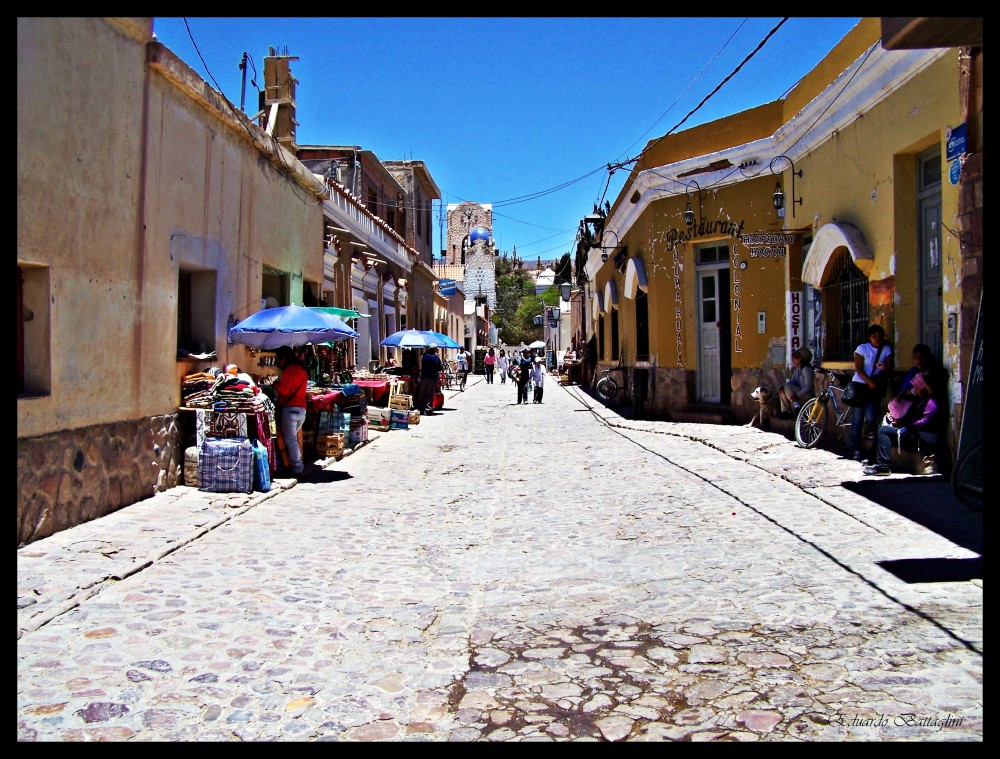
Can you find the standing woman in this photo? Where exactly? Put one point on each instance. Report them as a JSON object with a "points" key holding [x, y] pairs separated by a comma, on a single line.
{"points": [[489, 363], [873, 367], [290, 401], [503, 365]]}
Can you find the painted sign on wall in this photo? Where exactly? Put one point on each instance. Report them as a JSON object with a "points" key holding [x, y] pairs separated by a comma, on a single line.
{"points": [[795, 335]]}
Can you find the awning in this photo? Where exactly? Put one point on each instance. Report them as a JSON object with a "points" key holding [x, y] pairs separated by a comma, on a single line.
{"points": [[610, 296], [635, 278], [343, 313], [826, 242]]}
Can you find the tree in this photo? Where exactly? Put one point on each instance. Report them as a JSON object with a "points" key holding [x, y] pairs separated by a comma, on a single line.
{"points": [[564, 270]]}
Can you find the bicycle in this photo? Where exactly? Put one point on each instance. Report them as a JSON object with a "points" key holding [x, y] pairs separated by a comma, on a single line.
{"points": [[967, 477], [811, 422], [463, 375], [607, 388]]}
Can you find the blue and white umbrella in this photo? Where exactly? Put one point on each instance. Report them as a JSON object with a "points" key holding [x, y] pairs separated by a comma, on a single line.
{"points": [[289, 325], [418, 338]]}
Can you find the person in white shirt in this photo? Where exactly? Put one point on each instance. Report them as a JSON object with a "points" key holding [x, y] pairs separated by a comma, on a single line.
{"points": [[537, 376], [462, 361], [503, 365], [872, 367]]}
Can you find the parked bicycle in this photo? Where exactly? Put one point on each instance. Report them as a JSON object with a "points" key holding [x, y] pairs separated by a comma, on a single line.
{"points": [[607, 388], [811, 422]]}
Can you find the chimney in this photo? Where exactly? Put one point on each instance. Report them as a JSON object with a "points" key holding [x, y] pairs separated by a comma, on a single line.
{"points": [[279, 99]]}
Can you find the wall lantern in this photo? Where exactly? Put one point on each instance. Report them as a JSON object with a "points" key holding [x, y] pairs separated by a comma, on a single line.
{"points": [[564, 290], [778, 198], [689, 213]]}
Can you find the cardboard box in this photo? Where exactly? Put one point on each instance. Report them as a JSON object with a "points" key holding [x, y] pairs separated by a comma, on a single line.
{"points": [[379, 418]]}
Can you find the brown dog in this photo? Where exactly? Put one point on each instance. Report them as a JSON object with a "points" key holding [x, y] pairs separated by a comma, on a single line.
{"points": [[765, 408]]}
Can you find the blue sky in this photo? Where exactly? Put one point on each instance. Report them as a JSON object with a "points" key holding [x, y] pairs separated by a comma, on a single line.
{"points": [[523, 113]]}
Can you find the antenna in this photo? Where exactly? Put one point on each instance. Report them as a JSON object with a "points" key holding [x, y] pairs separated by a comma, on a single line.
{"points": [[243, 85]]}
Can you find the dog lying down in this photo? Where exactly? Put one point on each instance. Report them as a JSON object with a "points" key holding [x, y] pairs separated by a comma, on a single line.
{"points": [[765, 407]]}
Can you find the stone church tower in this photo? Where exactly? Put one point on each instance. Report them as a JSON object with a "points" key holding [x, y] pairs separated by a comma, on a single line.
{"points": [[469, 250]]}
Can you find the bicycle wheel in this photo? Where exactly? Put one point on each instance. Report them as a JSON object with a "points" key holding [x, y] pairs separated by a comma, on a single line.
{"points": [[461, 381], [967, 478], [607, 388], [810, 424]]}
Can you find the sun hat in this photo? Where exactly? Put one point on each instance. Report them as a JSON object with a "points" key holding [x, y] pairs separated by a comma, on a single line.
{"points": [[804, 354]]}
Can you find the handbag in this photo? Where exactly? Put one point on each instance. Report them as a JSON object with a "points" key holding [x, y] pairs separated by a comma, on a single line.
{"points": [[898, 408], [855, 394], [858, 394]]}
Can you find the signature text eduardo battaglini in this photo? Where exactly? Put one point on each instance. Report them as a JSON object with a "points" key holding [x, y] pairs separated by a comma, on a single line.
{"points": [[899, 720]]}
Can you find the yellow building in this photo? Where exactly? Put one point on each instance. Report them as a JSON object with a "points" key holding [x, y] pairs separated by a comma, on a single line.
{"points": [[698, 280]]}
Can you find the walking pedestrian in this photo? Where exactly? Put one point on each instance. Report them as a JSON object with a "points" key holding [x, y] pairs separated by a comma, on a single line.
{"points": [[503, 365], [524, 364], [489, 364], [537, 375], [462, 365], [430, 371]]}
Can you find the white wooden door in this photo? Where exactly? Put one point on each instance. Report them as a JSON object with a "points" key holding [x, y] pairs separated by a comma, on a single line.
{"points": [[710, 300]]}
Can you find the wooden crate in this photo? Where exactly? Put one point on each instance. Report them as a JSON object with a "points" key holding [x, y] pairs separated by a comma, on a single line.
{"points": [[401, 401], [414, 417]]}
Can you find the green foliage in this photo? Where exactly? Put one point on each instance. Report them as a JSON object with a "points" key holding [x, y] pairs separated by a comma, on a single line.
{"points": [[517, 303]]}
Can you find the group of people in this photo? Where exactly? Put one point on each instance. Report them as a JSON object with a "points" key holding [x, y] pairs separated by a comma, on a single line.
{"points": [[914, 414], [527, 372]]}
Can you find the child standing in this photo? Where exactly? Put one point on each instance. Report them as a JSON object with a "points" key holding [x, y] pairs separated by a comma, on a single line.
{"points": [[537, 374], [502, 366]]}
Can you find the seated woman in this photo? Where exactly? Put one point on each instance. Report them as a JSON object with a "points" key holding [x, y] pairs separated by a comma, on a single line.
{"points": [[799, 386], [915, 415]]}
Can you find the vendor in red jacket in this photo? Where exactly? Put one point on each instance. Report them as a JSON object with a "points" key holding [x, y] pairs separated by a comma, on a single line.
{"points": [[290, 400]]}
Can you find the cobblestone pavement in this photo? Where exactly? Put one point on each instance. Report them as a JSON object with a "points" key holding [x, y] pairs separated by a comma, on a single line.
{"points": [[498, 572]]}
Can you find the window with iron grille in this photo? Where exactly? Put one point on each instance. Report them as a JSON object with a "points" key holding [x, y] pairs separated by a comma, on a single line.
{"points": [[600, 337], [641, 326], [614, 333], [845, 308]]}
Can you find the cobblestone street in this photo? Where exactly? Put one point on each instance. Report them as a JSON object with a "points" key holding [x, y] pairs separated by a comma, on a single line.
{"points": [[499, 572]]}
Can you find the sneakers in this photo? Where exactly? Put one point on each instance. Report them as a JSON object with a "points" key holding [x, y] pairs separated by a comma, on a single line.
{"points": [[876, 469]]}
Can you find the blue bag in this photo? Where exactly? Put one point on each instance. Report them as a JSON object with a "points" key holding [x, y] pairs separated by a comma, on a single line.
{"points": [[225, 465], [261, 468]]}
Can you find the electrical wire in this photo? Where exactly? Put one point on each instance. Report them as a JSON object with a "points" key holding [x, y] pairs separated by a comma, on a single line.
{"points": [[288, 174], [689, 86], [718, 87]]}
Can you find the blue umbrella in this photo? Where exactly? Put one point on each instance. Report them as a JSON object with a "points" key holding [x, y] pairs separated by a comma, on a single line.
{"points": [[289, 325], [446, 342], [418, 338]]}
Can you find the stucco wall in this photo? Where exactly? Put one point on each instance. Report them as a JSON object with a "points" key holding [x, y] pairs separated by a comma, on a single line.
{"points": [[79, 185], [130, 167]]}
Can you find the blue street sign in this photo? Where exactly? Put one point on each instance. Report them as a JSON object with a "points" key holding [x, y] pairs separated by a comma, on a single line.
{"points": [[955, 142], [954, 172]]}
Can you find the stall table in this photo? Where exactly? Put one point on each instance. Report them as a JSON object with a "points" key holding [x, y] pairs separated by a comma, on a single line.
{"points": [[376, 391]]}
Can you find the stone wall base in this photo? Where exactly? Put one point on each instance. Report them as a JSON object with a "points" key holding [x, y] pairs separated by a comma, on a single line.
{"points": [[71, 477]]}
